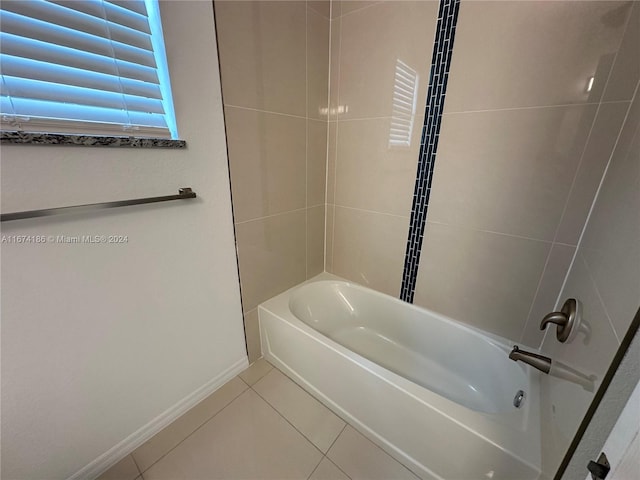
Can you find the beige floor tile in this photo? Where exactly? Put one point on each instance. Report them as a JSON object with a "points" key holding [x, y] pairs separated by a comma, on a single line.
{"points": [[309, 416], [256, 371], [152, 450], [125, 469], [360, 458], [328, 471], [247, 440]]}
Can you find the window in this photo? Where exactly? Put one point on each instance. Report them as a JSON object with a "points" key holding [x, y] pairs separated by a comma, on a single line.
{"points": [[84, 67]]}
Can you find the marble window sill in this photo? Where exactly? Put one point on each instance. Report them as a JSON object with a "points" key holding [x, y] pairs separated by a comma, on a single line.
{"points": [[25, 138]]}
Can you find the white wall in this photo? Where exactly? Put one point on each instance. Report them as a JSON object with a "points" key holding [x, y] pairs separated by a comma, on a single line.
{"points": [[98, 340]]}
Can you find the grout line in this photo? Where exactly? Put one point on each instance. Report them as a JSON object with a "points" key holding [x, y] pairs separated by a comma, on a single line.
{"points": [[576, 173], [564, 244], [595, 199], [199, 427], [265, 111], [604, 306], [359, 9], [334, 463], [336, 136], [337, 437], [326, 157], [270, 216], [316, 467], [306, 141], [615, 145], [357, 119], [285, 418], [535, 297], [318, 13], [136, 463], [370, 211], [522, 237], [461, 112], [489, 110], [530, 107]]}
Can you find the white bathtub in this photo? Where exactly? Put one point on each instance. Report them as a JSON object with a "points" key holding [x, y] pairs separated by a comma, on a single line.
{"points": [[435, 394]]}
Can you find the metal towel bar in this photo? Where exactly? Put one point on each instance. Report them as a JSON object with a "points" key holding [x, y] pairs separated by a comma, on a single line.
{"points": [[183, 194]]}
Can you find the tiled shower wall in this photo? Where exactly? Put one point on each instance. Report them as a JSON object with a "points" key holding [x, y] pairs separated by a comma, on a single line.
{"points": [[523, 146], [370, 181], [605, 275], [274, 60]]}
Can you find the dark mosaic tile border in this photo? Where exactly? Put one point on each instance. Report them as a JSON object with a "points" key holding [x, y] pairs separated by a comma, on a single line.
{"points": [[440, 63], [24, 138]]}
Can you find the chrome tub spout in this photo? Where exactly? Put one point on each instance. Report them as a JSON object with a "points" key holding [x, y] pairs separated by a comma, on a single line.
{"points": [[540, 362]]}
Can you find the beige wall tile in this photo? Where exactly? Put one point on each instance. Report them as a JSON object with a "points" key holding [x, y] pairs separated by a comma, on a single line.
{"points": [[344, 7], [480, 278], [626, 69], [315, 240], [387, 32], [316, 162], [252, 334], [336, 9], [334, 68], [271, 255], [317, 65], [563, 405], [611, 243], [369, 248], [555, 271], [371, 174], [262, 47], [501, 60], [594, 160], [267, 160], [511, 173], [331, 161], [591, 353], [323, 7], [328, 238]]}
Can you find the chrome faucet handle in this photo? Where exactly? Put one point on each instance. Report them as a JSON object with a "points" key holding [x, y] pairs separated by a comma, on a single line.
{"points": [[567, 320]]}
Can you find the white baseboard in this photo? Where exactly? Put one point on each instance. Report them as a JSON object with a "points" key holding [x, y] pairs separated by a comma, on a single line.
{"points": [[137, 438]]}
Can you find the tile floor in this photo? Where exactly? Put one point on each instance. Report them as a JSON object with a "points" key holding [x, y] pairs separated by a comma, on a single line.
{"points": [[260, 425]]}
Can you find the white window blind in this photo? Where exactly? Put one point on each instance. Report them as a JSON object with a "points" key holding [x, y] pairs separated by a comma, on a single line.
{"points": [[84, 67]]}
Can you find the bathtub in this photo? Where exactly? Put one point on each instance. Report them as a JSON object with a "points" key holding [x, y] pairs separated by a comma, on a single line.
{"points": [[435, 394]]}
